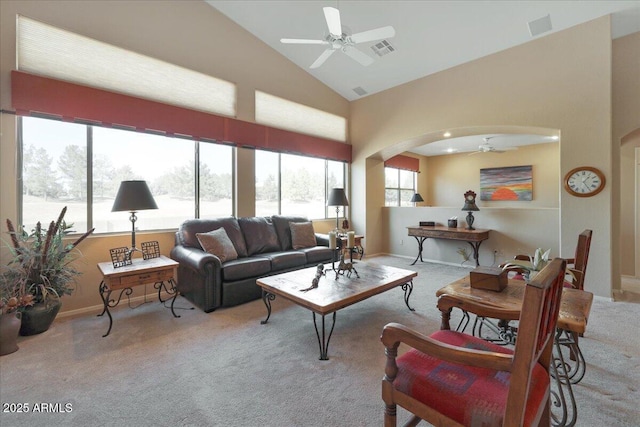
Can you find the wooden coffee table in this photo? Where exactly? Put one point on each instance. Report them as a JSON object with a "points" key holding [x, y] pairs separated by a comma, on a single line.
{"points": [[334, 293]]}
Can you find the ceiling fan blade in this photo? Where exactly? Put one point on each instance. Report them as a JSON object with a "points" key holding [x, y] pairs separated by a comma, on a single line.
{"points": [[359, 56], [323, 57], [332, 16], [376, 34], [303, 41]]}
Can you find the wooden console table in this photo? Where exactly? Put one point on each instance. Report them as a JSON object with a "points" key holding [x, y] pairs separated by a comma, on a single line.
{"points": [[159, 271], [473, 237]]}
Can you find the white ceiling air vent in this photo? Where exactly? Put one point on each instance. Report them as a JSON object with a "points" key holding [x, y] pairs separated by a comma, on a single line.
{"points": [[382, 48], [360, 91], [540, 25]]}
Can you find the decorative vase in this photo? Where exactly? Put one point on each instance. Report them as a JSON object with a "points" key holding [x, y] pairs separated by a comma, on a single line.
{"points": [[39, 317], [9, 328]]}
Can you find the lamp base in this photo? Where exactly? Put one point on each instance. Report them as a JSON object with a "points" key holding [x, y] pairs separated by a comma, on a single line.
{"points": [[470, 220]]}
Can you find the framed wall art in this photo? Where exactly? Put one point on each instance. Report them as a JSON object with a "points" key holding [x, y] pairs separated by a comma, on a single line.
{"points": [[506, 183]]}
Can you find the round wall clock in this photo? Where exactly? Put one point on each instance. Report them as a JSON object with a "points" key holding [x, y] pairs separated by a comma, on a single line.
{"points": [[584, 181]]}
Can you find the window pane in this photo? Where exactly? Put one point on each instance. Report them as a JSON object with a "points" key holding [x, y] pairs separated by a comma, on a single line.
{"points": [[405, 197], [167, 164], [407, 179], [390, 177], [302, 186], [54, 170], [335, 174], [267, 183], [216, 183], [390, 197]]}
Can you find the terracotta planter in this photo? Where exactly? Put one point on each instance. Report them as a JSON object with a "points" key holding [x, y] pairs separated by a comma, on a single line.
{"points": [[38, 318], [9, 328]]}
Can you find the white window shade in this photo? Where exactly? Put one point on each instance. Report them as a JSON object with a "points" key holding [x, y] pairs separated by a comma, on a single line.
{"points": [[283, 114], [52, 52]]}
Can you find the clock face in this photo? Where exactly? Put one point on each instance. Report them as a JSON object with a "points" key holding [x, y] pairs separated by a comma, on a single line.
{"points": [[584, 182]]}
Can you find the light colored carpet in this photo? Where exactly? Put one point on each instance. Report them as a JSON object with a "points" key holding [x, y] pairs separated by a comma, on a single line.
{"points": [[226, 369]]}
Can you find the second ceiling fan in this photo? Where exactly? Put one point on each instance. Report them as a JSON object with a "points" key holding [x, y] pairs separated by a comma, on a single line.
{"points": [[488, 148], [338, 40]]}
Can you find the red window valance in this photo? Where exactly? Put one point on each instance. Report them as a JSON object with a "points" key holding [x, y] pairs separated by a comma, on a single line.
{"points": [[69, 101], [403, 162]]}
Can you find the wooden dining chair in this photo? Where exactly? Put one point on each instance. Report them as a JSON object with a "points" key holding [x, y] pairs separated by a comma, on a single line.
{"points": [[454, 379], [578, 265]]}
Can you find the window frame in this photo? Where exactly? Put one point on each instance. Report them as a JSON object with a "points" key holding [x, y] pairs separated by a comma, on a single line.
{"points": [[399, 187]]}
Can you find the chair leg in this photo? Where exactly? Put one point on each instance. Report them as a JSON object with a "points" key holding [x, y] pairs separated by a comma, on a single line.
{"points": [[390, 415]]}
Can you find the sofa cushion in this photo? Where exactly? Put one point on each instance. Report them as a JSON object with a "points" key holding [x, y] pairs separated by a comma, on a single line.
{"points": [[281, 223], [259, 235], [285, 260], [217, 242], [189, 228], [318, 254], [302, 235], [243, 268]]}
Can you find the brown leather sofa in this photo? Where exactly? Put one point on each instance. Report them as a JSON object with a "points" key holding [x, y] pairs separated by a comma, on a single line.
{"points": [[264, 248]]}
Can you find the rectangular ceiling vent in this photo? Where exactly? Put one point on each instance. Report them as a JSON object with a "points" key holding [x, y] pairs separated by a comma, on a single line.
{"points": [[360, 91], [540, 25], [382, 48]]}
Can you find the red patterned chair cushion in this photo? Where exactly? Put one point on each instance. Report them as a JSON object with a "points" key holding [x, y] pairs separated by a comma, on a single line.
{"points": [[468, 395]]}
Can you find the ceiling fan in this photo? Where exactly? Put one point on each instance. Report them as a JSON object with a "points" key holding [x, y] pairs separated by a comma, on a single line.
{"points": [[338, 40], [488, 148]]}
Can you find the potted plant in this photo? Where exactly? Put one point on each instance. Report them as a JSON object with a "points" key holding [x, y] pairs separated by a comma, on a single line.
{"points": [[42, 265], [529, 268]]}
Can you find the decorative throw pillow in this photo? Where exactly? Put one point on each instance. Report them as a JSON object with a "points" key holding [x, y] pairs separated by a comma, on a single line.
{"points": [[302, 235], [217, 242]]}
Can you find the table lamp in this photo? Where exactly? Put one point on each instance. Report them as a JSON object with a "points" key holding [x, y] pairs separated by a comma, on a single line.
{"points": [[337, 198], [470, 206], [133, 196], [416, 198]]}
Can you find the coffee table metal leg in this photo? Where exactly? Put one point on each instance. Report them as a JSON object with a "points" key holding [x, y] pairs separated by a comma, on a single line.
{"points": [[267, 298], [324, 342], [408, 288]]}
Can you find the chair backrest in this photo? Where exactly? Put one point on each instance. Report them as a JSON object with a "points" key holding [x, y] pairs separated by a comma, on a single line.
{"points": [[536, 330], [582, 257]]}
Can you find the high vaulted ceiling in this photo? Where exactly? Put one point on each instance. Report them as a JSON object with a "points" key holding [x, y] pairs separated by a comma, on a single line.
{"points": [[430, 36]]}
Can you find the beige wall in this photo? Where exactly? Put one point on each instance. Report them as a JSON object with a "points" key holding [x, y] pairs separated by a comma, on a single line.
{"points": [[450, 176], [561, 81], [187, 33], [626, 136]]}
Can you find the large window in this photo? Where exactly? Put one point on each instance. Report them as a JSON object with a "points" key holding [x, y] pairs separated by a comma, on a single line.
{"points": [[58, 159], [400, 185], [289, 184]]}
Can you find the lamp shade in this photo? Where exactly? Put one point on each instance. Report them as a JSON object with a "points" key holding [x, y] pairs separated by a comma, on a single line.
{"points": [[470, 206], [416, 198], [337, 197], [133, 196]]}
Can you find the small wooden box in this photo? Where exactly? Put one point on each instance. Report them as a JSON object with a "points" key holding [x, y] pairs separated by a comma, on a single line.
{"points": [[488, 278]]}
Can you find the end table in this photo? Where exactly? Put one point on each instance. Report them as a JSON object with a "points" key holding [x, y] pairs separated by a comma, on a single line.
{"points": [[159, 271]]}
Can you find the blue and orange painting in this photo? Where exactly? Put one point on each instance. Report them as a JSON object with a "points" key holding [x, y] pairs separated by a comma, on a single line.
{"points": [[509, 183]]}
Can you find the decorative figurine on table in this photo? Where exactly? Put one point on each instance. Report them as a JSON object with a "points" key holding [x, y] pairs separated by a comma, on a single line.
{"points": [[345, 266], [316, 280]]}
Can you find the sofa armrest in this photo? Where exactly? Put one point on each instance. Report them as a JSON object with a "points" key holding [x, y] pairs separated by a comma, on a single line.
{"points": [[194, 258], [322, 239]]}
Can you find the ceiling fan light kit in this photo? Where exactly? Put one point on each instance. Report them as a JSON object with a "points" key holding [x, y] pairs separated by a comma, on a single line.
{"points": [[339, 40]]}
